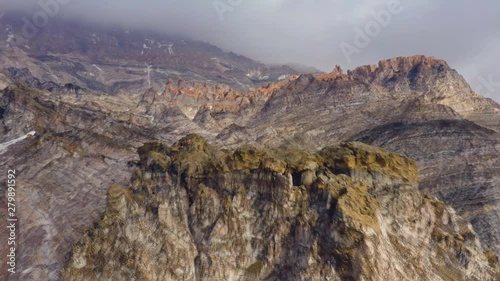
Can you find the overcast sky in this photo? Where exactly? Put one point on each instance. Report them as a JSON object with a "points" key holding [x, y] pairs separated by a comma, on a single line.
{"points": [[320, 33]]}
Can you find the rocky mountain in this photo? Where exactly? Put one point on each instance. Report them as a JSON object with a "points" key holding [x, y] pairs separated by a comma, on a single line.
{"points": [[349, 212], [285, 191], [417, 106], [111, 60]]}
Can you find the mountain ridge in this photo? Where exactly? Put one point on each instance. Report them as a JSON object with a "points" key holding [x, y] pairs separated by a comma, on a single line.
{"points": [[88, 129]]}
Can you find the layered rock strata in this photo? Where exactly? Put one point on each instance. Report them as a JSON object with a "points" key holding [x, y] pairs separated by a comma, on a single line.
{"points": [[347, 212]]}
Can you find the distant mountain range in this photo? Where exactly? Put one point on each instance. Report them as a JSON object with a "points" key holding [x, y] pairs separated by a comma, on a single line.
{"points": [[277, 179]]}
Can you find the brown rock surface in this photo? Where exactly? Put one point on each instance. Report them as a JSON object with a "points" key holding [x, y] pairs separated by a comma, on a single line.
{"points": [[350, 212], [90, 114]]}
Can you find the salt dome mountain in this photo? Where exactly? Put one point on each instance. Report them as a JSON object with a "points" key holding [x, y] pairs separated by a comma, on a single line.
{"points": [[191, 163]]}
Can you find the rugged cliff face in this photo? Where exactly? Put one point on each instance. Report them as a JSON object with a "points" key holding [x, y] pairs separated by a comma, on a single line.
{"points": [[94, 96], [347, 212], [416, 106]]}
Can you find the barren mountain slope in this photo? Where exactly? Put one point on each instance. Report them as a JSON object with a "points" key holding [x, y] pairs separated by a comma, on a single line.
{"points": [[112, 60], [93, 102], [349, 212], [417, 106]]}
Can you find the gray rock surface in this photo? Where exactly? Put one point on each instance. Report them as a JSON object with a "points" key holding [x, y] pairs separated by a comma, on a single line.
{"points": [[88, 129], [194, 213]]}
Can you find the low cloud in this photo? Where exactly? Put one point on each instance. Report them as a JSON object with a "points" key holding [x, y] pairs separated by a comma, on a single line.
{"points": [[310, 32]]}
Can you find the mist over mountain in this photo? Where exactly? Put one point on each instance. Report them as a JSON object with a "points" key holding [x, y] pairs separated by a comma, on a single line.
{"points": [[311, 32], [224, 140]]}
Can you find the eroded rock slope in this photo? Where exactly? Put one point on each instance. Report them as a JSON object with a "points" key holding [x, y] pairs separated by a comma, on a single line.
{"points": [[348, 212], [90, 115]]}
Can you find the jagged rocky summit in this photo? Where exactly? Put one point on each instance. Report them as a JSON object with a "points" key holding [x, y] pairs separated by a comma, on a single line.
{"points": [[84, 140], [345, 212], [76, 103]]}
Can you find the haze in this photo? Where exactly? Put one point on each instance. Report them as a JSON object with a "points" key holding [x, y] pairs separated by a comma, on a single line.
{"points": [[319, 33]]}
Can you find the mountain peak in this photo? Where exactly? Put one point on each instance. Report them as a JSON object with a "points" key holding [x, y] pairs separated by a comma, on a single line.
{"points": [[336, 74], [412, 66], [410, 61], [405, 63]]}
